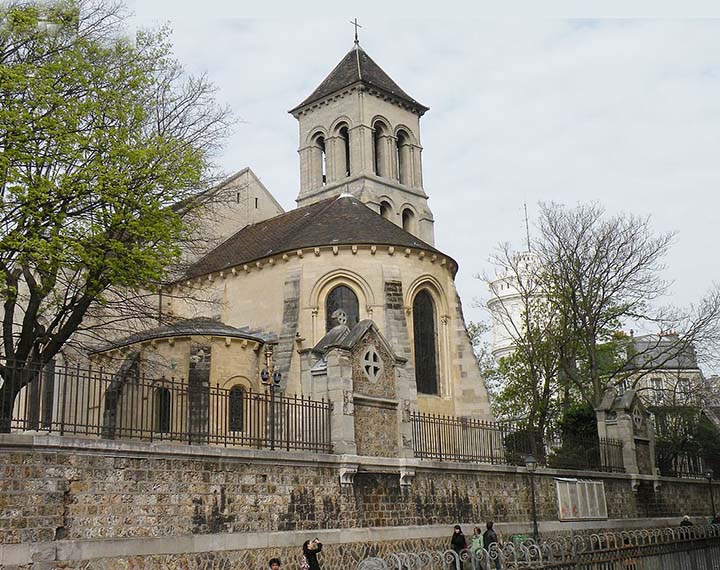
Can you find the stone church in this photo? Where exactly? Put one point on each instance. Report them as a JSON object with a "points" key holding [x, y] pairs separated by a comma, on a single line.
{"points": [[345, 296]]}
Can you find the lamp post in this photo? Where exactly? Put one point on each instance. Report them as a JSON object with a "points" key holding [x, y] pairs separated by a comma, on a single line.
{"points": [[271, 379], [709, 477], [531, 466]]}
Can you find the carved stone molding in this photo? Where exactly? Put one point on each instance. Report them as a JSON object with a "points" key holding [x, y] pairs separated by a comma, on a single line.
{"points": [[407, 476], [634, 484], [348, 403], [347, 474]]}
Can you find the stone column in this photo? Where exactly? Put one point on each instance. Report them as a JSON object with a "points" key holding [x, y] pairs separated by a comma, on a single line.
{"points": [[361, 159], [417, 167], [332, 145], [388, 168], [397, 331], [340, 393]]}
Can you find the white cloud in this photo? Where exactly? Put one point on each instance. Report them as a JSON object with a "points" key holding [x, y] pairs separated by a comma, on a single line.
{"points": [[623, 112]]}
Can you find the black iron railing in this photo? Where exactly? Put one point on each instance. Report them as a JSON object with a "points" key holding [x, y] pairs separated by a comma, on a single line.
{"points": [[128, 405], [684, 463], [461, 439]]}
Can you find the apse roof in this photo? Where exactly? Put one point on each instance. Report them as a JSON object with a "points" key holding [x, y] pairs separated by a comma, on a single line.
{"points": [[358, 66], [200, 326], [341, 220]]}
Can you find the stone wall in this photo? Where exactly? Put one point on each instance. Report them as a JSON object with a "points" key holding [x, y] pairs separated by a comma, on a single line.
{"points": [[60, 492]]}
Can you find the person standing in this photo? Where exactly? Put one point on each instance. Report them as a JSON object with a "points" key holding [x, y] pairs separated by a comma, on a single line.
{"points": [[489, 538], [686, 521], [311, 548], [476, 548], [458, 542]]}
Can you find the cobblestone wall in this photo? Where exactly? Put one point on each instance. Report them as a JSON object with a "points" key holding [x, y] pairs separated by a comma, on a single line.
{"points": [[69, 494]]}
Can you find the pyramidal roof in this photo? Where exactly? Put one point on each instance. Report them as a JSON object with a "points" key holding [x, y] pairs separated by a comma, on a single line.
{"points": [[341, 220], [358, 67]]}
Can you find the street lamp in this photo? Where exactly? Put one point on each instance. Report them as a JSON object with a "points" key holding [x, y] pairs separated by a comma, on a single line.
{"points": [[271, 377], [531, 466], [709, 477]]}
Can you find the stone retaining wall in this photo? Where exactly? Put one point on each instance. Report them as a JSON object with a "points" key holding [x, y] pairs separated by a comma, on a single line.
{"points": [[58, 491]]}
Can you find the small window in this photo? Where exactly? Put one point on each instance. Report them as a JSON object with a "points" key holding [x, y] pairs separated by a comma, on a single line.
{"points": [[386, 210], [408, 220], [256, 203], [163, 410], [657, 387], [236, 413], [581, 500], [341, 307]]}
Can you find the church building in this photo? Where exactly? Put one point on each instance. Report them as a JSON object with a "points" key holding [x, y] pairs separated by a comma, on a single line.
{"points": [[345, 290]]}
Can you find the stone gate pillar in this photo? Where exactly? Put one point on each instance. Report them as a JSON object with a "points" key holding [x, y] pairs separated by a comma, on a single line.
{"points": [[624, 418]]}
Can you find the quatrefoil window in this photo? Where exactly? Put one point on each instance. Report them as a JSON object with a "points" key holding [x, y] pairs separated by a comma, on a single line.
{"points": [[372, 364], [637, 416]]}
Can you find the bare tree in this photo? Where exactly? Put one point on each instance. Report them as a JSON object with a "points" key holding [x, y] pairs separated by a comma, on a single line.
{"points": [[601, 273]]}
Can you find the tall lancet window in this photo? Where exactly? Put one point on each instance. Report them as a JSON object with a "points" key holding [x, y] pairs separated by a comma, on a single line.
{"points": [[341, 308], [379, 150], [319, 162], [425, 336], [236, 416], [163, 410], [403, 157], [345, 141]]}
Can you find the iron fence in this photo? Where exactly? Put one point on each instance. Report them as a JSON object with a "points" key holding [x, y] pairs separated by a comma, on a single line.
{"points": [[681, 548], [128, 405], [673, 462], [477, 441]]}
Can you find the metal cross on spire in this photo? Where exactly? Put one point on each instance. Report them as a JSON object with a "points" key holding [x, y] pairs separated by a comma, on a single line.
{"points": [[355, 23]]}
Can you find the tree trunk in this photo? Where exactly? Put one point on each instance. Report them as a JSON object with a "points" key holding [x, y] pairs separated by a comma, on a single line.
{"points": [[8, 393]]}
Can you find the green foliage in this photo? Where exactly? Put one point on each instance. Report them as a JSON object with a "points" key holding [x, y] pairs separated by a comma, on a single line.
{"points": [[684, 435], [99, 137], [579, 421]]}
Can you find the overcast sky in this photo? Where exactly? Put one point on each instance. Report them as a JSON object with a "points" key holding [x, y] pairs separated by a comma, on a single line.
{"points": [[625, 112]]}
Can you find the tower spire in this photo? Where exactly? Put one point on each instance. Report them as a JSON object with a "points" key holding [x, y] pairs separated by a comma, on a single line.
{"points": [[355, 23]]}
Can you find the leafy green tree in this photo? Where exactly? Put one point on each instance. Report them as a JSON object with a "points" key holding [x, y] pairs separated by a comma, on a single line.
{"points": [[99, 136]]}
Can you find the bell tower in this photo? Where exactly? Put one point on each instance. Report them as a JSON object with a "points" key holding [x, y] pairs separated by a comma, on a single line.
{"points": [[360, 133]]}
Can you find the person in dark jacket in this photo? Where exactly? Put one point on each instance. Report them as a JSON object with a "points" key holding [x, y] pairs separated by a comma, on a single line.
{"points": [[686, 521], [457, 541], [489, 538], [311, 548]]}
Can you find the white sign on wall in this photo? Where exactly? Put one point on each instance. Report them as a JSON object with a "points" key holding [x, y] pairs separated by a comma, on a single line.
{"points": [[580, 500]]}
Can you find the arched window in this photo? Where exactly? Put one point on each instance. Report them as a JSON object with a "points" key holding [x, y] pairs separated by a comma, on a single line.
{"points": [[341, 304], [345, 138], [403, 157], [408, 220], [386, 210], [379, 149], [319, 162], [236, 414], [163, 410], [425, 342]]}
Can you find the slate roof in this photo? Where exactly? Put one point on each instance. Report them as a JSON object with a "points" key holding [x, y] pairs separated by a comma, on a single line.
{"points": [[341, 220], [201, 326], [666, 352], [358, 66]]}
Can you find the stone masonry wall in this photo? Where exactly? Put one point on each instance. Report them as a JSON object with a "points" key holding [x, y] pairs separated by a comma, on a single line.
{"points": [[50, 494]]}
